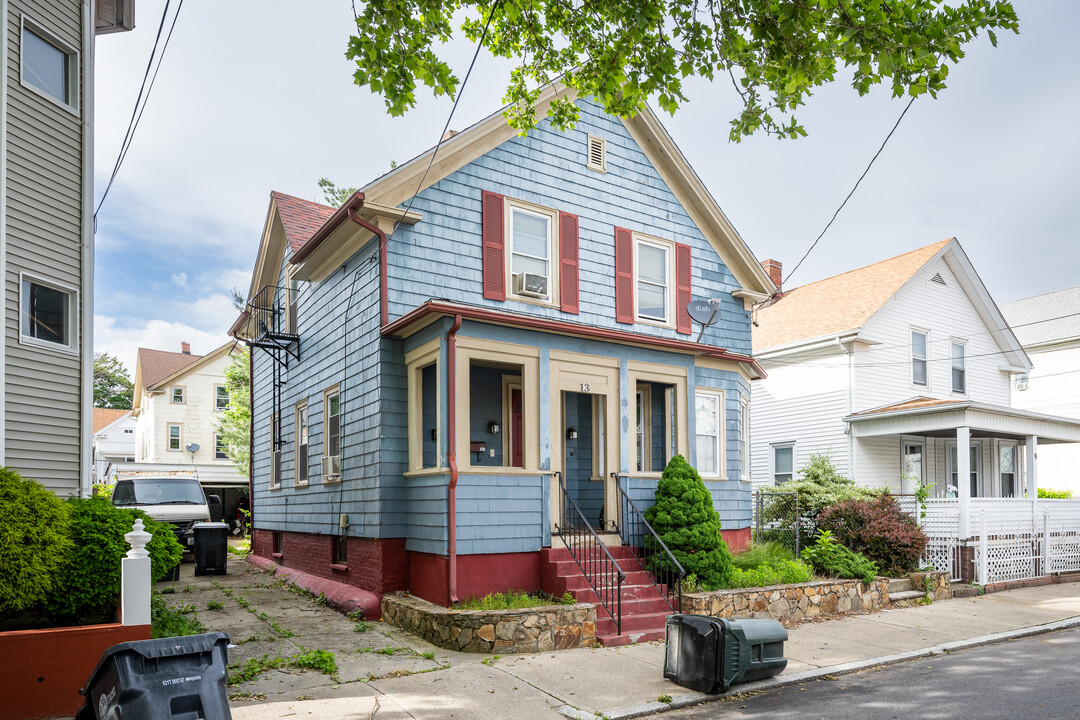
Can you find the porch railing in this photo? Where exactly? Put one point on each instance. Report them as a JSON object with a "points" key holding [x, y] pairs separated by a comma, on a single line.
{"points": [[592, 557], [649, 550]]}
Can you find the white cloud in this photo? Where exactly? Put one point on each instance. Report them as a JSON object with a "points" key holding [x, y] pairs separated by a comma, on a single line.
{"points": [[124, 342], [180, 279]]}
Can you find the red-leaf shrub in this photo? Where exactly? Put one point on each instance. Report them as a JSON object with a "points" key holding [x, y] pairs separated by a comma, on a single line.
{"points": [[878, 529]]}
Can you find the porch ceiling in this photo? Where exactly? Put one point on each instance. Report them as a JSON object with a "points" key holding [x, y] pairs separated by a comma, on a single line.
{"points": [[941, 418]]}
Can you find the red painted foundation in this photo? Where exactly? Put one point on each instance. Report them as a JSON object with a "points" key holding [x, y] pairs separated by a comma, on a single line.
{"points": [[42, 671], [737, 540], [378, 566], [478, 575]]}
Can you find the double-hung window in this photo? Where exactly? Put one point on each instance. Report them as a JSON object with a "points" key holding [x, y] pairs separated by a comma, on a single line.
{"points": [[221, 398], [652, 280], [275, 451], [302, 444], [919, 356], [531, 247], [177, 395], [221, 448], [174, 437], [783, 462], [331, 462], [709, 423], [959, 367]]}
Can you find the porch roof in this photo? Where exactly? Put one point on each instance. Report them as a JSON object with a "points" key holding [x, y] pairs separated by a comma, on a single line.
{"points": [[434, 309], [935, 417]]}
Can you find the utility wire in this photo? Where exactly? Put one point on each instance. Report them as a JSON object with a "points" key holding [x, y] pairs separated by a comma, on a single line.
{"points": [[143, 96], [853, 189]]}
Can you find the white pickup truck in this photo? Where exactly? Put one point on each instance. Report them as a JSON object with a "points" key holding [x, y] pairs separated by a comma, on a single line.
{"points": [[174, 498]]}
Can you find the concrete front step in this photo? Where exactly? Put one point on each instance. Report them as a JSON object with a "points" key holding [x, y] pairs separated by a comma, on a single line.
{"points": [[630, 623], [897, 585], [628, 638], [906, 598]]}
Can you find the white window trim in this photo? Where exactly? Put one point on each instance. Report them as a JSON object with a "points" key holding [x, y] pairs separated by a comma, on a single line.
{"points": [[744, 405], [926, 360], [327, 394], [669, 247], [552, 216], [721, 435], [772, 460], [301, 406], [292, 301], [183, 394], [967, 381], [216, 408], [74, 68], [980, 475], [216, 438], [642, 404], [996, 458], [602, 166], [168, 437], [72, 348], [905, 441]]}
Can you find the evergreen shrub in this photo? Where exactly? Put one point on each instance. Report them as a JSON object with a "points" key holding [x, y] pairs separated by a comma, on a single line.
{"points": [[830, 558], [88, 583], [34, 541], [685, 519], [878, 529]]}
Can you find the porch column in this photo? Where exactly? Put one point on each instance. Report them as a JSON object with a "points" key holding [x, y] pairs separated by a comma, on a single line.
{"points": [[1031, 454], [963, 479]]}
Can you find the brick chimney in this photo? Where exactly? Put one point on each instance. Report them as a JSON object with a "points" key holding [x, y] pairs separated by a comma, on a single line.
{"points": [[775, 269], [185, 348]]}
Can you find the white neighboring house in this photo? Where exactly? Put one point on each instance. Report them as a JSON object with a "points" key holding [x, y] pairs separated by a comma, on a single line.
{"points": [[177, 398], [113, 440], [1048, 326], [888, 369]]}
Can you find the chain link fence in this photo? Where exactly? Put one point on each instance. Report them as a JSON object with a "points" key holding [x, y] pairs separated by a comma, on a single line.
{"points": [[776, 519]]}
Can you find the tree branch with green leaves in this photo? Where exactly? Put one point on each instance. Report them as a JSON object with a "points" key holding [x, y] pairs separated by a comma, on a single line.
{"points": [[625, 52]]}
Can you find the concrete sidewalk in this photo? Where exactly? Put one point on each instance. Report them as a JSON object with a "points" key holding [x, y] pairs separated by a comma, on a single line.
{"points": [[384, 673]]}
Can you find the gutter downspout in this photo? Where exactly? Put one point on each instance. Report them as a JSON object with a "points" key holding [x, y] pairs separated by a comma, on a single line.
{"points": [[451, 458], [850, 404], [88, 221], [384, 299]]}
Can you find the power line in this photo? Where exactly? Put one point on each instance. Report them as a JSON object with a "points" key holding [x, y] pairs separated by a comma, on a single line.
{"points": [[141, 99], [853, 189]]}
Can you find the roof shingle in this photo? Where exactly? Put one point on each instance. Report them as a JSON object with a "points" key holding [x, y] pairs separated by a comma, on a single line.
{"points": [[300, 218], [106, 416], [838, 303], [156, 365]]}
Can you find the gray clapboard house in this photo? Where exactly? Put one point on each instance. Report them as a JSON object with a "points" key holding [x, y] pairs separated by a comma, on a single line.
{"points": [[46, 234], [427, 405]]}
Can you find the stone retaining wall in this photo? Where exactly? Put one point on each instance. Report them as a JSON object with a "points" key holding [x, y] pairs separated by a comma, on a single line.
{"points": [[940, 586], [531, 630]]}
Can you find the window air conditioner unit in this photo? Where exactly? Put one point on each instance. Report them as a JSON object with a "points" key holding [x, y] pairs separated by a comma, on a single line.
{"points": [[331, 466], [530, 285]]}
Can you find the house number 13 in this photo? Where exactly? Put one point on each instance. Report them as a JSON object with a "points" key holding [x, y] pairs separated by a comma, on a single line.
{"points": [[584, 387]]}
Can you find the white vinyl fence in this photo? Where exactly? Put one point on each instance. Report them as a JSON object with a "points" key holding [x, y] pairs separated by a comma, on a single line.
{"points": [[1013, 538]]}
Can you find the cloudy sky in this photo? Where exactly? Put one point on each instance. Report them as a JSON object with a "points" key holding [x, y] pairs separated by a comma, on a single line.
{"points": [[256, 95]]}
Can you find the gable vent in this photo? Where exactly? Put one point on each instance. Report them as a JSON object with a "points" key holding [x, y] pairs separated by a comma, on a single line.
{"points": [[597, 159], [938, 279]]}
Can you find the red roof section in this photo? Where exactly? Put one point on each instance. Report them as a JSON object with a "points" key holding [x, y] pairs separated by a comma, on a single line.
{"points": [[107, 416], [918, 403], [156, 365], [301, 218]]}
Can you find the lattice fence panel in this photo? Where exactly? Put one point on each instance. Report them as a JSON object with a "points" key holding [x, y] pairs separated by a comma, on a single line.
{"points": [[942, 527], [1063, 524]]}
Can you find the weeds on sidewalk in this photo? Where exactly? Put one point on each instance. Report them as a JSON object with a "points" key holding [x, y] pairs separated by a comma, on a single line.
{"points": [[242, 602], [321, 660]]}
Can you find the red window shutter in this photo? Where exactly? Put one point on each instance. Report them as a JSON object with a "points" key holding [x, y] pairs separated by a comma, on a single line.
{"points": [[568, 263], [624, 276], [493, 243], [682, 288]]}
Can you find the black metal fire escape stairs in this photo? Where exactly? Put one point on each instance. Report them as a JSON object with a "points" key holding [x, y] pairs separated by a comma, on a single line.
{"points": [[271, 324]]}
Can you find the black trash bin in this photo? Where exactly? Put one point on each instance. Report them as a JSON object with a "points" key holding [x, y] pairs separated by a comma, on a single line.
{"points": [[180, 678], [211, 547], [710, 654]]}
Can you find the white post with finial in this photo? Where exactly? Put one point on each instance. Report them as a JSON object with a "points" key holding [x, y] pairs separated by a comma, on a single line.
{"points": [[135, 578]]}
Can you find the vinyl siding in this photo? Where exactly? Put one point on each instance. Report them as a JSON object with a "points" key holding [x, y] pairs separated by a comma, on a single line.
{"points": [[44, 239]]}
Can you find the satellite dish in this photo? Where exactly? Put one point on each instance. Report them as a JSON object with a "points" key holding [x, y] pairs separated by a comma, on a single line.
{"points": [[703, 312], [192, 447]]}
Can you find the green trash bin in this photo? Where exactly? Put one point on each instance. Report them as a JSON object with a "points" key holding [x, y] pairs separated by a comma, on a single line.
{"points": [[710, 654]]}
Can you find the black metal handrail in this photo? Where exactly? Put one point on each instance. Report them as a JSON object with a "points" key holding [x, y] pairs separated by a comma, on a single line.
{"points": [[601, 571], [269, 319], [650, 551]]}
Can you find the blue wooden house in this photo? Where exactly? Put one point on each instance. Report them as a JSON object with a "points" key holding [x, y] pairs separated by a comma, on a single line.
{"points": [[441, 396]]}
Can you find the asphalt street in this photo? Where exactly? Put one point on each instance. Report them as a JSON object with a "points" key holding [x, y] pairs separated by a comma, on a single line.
{"points": [[1034, 677]]}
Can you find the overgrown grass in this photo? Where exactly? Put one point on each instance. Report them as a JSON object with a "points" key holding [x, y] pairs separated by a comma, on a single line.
{"points": [[764, 564], [321, 660], [167, 621], [758, 554], [240, 548], [514, 600]]}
